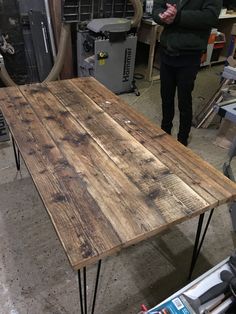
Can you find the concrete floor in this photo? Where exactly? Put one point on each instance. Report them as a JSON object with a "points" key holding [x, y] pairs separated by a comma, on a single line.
{"points": [[35, 275]]}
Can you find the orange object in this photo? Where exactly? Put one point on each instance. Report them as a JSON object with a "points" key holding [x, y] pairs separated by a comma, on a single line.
{"points": [[212, 38], [144, 308], [203, 57]]}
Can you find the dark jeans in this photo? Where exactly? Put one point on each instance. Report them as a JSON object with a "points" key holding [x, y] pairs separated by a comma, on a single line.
{"points": [[181, 78]]}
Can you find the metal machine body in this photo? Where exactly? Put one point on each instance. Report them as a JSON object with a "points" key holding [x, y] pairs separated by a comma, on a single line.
{"points": [[106, 50]]}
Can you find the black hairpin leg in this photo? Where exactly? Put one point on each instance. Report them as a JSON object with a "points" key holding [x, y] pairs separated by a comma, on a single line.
{"points": [[199, 242], [83, 289], [80, 293], [96, 286], [16, 154]]}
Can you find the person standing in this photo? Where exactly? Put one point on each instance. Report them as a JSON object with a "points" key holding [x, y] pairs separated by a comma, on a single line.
{"points": [[187, 26]]}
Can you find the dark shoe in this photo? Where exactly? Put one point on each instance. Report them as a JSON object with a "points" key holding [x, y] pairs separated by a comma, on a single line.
{"points": [[183, 141], [166, 129]]}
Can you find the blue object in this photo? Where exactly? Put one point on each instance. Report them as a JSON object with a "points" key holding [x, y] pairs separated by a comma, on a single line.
{"points": [[175, 306]]}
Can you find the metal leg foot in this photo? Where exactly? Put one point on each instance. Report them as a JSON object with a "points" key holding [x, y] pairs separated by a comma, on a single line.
{"points": [[16, 154], [80, 293], [199, 241], [135, 89], [83, 289], [96, 286]]}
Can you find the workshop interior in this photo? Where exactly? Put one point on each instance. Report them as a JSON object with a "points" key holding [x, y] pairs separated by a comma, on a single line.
{"points": [[116, 43]]}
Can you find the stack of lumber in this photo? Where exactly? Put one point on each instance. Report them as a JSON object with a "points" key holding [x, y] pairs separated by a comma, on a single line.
{"points": [[207, 114]]}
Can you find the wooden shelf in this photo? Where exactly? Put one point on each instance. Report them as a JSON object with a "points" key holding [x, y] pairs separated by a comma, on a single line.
{"points": [[227, 16]]}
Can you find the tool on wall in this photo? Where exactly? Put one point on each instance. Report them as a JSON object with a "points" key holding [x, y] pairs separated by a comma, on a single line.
{"points": [[113, 41], [107, 46], [30, 14], [5, 46]]}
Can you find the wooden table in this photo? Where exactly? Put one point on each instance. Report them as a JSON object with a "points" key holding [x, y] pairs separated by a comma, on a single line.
{"points": [[107, 176]]}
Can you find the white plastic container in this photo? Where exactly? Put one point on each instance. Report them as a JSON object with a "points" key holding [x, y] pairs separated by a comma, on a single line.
{"points": [[149, 6]]}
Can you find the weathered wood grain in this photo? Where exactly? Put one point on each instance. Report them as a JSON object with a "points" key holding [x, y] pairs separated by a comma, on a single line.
{"points": [[120, 200], [200, 175], [107, 176], [153, 178], [63, 190]]}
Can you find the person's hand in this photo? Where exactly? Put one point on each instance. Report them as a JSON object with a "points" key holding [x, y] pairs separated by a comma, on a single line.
{"points": [[169, 15]]}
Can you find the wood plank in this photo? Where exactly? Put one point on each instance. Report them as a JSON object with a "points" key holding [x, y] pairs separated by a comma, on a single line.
{"points": [[107, 176], [168, 207], [179, 159], [118, 194], [201, 116], [60, 187], [171, 195], [147, 134], [76, 156]]}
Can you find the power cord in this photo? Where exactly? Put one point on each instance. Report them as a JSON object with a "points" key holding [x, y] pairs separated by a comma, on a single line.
{"points": [[143, 93]]}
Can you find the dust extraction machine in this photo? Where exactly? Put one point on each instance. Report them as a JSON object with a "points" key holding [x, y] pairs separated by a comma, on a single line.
{"points": [[106, 40]]}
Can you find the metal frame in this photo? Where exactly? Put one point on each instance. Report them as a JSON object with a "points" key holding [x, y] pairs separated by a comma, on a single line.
{"points": [[82, 280], [16, 153], [83, 289], [199, 242]]}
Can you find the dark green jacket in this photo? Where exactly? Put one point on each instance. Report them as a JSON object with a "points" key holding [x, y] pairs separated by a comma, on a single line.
{"points": [[192, 26]]}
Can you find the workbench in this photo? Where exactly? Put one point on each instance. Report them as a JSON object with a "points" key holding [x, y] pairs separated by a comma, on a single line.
{"points": [[149, 33], [107, 176]]}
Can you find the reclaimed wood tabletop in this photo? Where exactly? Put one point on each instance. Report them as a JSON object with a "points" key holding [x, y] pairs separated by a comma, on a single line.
{"points": [[107, 176]]}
